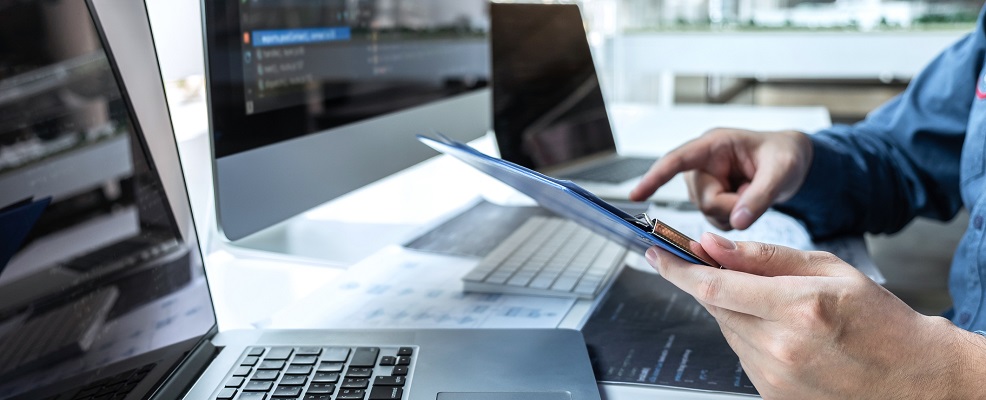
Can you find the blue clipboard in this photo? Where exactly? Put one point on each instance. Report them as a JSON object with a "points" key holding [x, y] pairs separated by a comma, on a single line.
{"points": [[571, 201]]}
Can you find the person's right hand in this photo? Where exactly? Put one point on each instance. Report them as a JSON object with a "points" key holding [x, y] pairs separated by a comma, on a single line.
{"points": [[735, 174]]}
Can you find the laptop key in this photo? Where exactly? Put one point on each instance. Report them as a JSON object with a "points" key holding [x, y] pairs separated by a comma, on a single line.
{"points": [[256, 351], [356, 383], [250, 361], [279, 353], [351, 394], [288, 391], [305, 360], [308, 351], [400, 370], [234, 382], [266, 375], [294, 380], [405, 351], [403, 360], [389, 381], [252, 396], [320, 388], [359, 372], [388, 360], [317, 397], [242, 371], [326, 377], [226, 394], [258, 386], [386, 393], [330, 367], [271, 364], [335, 354], [365, 357], [298, 370]]}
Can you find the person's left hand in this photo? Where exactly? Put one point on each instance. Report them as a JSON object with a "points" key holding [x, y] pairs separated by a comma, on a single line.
{"points": [[808, 325]]}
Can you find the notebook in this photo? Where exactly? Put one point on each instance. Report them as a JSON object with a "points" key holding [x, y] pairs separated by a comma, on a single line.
{"points": [[548, 108], [145, 326]]}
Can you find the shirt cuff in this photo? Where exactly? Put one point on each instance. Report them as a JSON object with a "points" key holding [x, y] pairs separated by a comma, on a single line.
{"points": [[980, 332], [826, 176]]}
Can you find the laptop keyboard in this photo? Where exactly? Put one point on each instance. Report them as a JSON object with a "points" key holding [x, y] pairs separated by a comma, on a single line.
{"points": [[616, 171], [319, 373], [547, 256]]}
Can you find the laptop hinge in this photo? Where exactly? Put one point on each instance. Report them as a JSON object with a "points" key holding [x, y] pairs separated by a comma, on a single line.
{"points": [[186, 374]]}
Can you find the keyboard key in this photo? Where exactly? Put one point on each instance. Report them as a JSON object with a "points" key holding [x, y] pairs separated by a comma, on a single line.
{"points": [[256, 351], [258, 386], [355, 383], [326, 377], [279, 353], [317, 397], [288, 391], [242, 371], [226, 394], [308, 351], [252, 396], [321, 388], [293, 380], [305, 360], [271, 364], [399, 370], [388, 360], [403, 360], [298, 370], [351, 394], [359, 372], [235, 382], [250, 361], [389, 381], [386, 393], [405, 351], [266, 375], [336, 354], [365, 357], [330, 367]]}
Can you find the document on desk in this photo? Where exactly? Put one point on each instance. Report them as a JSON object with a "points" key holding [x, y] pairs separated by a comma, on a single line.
{"points": [[401, 288], [775, 228]]}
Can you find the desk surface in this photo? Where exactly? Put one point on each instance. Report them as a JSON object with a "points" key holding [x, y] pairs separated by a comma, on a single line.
{"points": [[248, 288]]}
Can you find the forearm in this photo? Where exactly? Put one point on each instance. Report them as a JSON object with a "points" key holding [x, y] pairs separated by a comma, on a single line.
{"points": [[970, 366]]}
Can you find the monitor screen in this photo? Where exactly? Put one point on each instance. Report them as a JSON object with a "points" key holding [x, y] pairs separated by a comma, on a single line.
{"points": [[287, 68], [311, 99], [95, 276], [548, 108]]}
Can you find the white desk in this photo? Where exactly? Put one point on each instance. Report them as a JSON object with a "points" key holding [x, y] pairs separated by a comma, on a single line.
{"points": [[247, 290]]}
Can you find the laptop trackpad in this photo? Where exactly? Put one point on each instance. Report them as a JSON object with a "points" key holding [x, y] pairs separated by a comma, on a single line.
{"points": [[506, 396]]}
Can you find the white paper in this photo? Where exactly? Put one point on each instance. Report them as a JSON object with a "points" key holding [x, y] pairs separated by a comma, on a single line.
{"points": [[775, 228], [400, 288]]}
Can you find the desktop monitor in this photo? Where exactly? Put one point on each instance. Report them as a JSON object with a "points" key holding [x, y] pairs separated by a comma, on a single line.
{"points": [[310, 100]]}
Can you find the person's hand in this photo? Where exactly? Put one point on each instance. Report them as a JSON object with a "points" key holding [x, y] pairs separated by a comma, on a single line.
{"points": [[736, 175], [808, 325]]}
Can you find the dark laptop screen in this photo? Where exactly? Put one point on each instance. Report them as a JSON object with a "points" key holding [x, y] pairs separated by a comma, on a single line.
{"points": [[95, 278], [547, 105]]}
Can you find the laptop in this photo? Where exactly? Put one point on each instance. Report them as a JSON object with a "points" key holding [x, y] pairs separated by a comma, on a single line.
{"points": [[548, 109], [142, 325]]}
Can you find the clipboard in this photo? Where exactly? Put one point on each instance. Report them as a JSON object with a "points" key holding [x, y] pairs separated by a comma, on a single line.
{"points": [[573, 202]]}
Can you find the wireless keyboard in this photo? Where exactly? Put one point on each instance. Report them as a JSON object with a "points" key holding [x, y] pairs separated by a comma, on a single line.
{"points": [[548, 256]]}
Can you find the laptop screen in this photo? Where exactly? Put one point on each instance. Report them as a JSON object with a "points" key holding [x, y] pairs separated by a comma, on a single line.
{"points": [[95, 278], [548, 108]]}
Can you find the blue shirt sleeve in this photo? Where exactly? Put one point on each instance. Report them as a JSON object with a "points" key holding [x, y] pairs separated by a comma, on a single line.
{"points": [[902, 161]]}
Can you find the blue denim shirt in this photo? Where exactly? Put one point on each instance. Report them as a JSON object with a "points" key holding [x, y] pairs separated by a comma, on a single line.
{"points": [[920, 154]]}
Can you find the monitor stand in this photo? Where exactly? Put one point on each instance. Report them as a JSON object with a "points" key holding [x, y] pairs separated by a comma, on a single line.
{"points": [[329, 243]]}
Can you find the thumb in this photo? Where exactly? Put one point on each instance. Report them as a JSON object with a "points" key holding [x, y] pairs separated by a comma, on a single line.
{"points": [[756, 198], [765, 259]]}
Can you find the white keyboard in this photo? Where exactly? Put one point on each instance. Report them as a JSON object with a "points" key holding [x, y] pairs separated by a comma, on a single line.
{"points": [[548, 256]]}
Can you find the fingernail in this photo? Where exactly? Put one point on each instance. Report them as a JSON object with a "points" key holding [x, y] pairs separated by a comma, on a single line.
{"points": [[722, 242], [651, 254], [741, 217]]}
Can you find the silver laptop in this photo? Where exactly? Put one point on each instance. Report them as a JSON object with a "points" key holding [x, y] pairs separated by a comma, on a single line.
{"points": [[138, 322], [548, 109]]}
